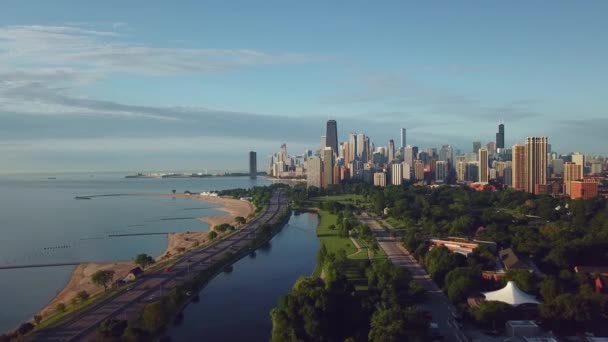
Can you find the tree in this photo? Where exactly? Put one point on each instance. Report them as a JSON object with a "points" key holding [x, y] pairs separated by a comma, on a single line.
{"points": [[103, 278], [37, 319], [174, 191], [240, 220], [387, 325], [212, 235], [112, 328], [522, 278], [492, 314], [82, 296], [144, 260], [154, 317], [25, 328], [60, 307]]}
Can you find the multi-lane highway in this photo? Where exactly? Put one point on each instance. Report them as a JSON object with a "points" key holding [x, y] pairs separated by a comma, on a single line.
{"points": [[129, 302], [436, 302]]}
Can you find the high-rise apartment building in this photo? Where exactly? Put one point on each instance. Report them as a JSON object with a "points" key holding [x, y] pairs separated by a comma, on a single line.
{"points": [[352, 147], [368, 149], [579, 159], [441, 171], [500, 138], [483, 166], [403, 139], [314, 172], [396, 174], [491, 146], [572, 172], [446, 154], [508, 176], [476, 146], [407, 170], [536, 163], [418, 170], [461, 170], [328, 167], [380, 179], [472, 172], [253, 164], [391, 150], [519, 169], [332, 136], [408, 155]]}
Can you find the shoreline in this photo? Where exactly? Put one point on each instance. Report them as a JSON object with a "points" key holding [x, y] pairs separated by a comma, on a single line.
{"points": [[177, 242]]}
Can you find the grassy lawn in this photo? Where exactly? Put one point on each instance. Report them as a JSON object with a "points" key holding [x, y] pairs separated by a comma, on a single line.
{"points": [[340, 198], [333, 242]]}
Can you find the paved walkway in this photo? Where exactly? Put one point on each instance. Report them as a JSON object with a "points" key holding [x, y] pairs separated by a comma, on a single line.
{"points": [[437, 303]]}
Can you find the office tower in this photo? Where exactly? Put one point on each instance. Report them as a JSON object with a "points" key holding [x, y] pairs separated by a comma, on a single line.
{"points": [[536, 163], [572, 172], [418, 170], [408, 155], [471, 157], [407, 170], [461, 170], [557, 166], [579, 159], [342, 150], [253, 164], [403, 145], [314, 172], [336, 175], [328, 167], [446, 154], [492, 173], [483, 165], [476, 146], [368, 149], [596, 167], [332, 136], [361, 150], [323, 142], [508, 176], [500, 138], [500, 169], [391, 150], [472, 172], [396, 174], [491, 147], [519, 171], [424, 157], [352, 146], [380, 179], [414, 153], [441, 171], [269, 166], [432, 152]]}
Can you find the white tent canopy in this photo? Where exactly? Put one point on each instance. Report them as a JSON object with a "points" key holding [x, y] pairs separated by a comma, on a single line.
{"points": [[511, 294]]}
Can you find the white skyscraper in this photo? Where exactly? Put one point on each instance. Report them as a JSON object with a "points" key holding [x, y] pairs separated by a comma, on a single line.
{"points": [[403, 139], [396, 174], [408, 155], [407, 170]]}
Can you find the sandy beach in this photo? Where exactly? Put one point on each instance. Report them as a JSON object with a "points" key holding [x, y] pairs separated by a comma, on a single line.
{"points": [[176, 242], [81, 280]]}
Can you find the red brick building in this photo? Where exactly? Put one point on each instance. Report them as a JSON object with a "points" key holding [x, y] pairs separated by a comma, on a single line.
{"points": [[583, 189]]}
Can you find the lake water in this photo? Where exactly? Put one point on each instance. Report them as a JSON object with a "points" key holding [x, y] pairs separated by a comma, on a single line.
{"points": [[41, 222], [236, 306]]}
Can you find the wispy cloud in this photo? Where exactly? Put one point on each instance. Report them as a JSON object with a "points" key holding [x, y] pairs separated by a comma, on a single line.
{"points": [[42, 67]]}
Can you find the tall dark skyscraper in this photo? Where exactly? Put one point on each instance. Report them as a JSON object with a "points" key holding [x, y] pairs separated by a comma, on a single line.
{"points": [[500, 137], [331, 137], [253, 164]]}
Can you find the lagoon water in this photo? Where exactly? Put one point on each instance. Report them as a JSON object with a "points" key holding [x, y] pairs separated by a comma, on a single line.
{"points": [[41, 222], [236, 306]]}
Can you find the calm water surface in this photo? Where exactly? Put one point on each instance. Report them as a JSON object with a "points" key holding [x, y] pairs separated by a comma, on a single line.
{"points": [[41, 222], [236, 306]]}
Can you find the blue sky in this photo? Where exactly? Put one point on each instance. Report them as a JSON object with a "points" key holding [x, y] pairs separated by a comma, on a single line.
{"points": [[115, 85]]}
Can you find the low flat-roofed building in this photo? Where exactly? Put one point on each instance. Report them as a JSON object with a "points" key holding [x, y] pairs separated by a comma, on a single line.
{"points": [[511, 260]]}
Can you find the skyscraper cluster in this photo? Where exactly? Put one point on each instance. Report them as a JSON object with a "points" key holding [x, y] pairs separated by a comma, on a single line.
{"points": [[531, 166]]}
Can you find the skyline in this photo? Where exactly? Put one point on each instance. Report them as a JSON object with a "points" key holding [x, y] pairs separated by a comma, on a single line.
{"points": [[99, 89]]}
